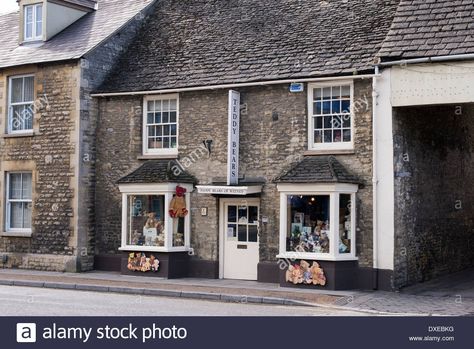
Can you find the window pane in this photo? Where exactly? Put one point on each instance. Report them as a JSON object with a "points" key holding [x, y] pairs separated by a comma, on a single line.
{"points": [[166, 142], [27, 215], [165, 117], [151, 131], [346, 106], [173, 116], [232, 213], [308, 223], [326, 107], [336, 92], [16, 90], [158, 118], [174, 142], [253, 214], [178, 231], [319, 122], [336, 121], [15, 186], [253, 233], [328, 136], [327, 93], [26, 186], [337, 136], [150, 106], [242, 233], [327, 122], [336, 107], [346, 120], [150, 118], [173, 130], [39, 20], [318, 108], [345, 223], [346, 135], [346, 91], [29, 89], [16, 215], [318, 93], [166, 105], [231, 231], [318, 138], [173, 104], [145, 223], [28, 22], [243, 214]]}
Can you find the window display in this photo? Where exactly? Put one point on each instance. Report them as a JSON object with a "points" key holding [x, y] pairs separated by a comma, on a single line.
{"points": [[146, 220], [345, 223], [308, 223], [155, 218]]}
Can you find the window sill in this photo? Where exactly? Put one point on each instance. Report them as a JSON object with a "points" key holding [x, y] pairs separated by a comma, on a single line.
{"points": [[157, 156], [17, 234], [18, 135], [316, 257], [154, 249], [329, 152]]}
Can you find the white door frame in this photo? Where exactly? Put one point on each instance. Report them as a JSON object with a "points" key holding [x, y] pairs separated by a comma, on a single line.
{"points": [[222, 203]]}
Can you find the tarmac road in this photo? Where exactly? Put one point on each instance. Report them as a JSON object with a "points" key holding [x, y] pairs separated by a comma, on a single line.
{"points": [[25, 301]]}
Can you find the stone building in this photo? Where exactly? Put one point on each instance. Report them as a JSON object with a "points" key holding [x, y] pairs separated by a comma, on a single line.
{"points": [[52, 55], [299, 142], [263, 113]]}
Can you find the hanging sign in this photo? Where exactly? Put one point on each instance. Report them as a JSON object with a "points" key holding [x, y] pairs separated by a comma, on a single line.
{"points": [[233, 138]]}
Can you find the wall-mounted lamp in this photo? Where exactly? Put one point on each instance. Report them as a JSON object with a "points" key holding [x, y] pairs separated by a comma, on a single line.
{"points": [[208, 145]]}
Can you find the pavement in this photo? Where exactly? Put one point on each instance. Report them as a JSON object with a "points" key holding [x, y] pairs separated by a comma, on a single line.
{"points": [[451, 297]]}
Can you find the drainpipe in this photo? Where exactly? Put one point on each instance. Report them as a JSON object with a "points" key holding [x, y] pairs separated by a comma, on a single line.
{"points": [[375, 271]]}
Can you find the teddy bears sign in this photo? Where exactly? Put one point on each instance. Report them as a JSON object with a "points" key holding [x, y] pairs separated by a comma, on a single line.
{"points": [[233, 138]]}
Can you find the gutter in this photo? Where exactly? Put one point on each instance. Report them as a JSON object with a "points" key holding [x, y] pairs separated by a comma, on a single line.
{"points": [[428, 60], [374, 182], [230, 86]]}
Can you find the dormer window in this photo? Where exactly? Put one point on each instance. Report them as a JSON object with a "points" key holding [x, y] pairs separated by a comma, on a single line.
{"points": [[33, 22]]}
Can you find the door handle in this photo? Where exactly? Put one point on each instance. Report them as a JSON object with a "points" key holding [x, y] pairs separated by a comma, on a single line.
{"points": [[241, 247]]}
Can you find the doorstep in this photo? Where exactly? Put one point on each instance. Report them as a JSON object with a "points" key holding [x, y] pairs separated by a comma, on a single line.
{"points": [[206, 289]]}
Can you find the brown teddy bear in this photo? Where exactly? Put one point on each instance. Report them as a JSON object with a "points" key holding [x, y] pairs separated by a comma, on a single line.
{"points": [[178, 204], [294, 274], [317, 274], [151, 221]]}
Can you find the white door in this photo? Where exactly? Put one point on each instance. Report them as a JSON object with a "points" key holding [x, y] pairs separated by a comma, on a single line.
{"points": [[240, 239]]}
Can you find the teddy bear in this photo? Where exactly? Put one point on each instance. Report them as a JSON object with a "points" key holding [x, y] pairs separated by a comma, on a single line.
{"points": [[294, 274], [317, 274], [178, 204], [146, 265], [307, 274], [155, 264], [151, 221]]}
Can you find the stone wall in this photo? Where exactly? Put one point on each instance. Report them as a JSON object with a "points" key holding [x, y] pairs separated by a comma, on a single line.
{"points": [[434, 196], [49, 153], [273, 137], [95, 67]]}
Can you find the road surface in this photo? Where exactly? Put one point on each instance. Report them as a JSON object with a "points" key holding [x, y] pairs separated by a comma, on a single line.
{"points": [[25, 301]]}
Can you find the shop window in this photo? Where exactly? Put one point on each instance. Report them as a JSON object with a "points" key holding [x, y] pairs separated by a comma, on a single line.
{"points": [[317, 224], [18, 202], [308, 223], [160, 126], [330, 116], [20, 104], [151, 221]]}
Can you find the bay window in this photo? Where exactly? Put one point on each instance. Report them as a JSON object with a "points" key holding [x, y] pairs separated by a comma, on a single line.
{"points": [[160, 125], [317, 221], [331, 119], [146, 222]]}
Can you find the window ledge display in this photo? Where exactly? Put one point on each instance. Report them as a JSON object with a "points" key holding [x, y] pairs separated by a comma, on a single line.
{"points": [[314, 257]]}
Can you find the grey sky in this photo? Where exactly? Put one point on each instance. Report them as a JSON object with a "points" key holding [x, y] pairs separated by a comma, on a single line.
{"points": [[8, 6]]}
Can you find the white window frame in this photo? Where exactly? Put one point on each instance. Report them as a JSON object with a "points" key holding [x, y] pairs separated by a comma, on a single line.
{"points": [[163, 151], [312, 146], [8, 201], [333, 191], [167, 190], [34, 34], [11, 105]]}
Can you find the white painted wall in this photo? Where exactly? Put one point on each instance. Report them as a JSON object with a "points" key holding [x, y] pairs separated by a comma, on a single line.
{"points": [[59, 17], [384, 155], [433, 83]]}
